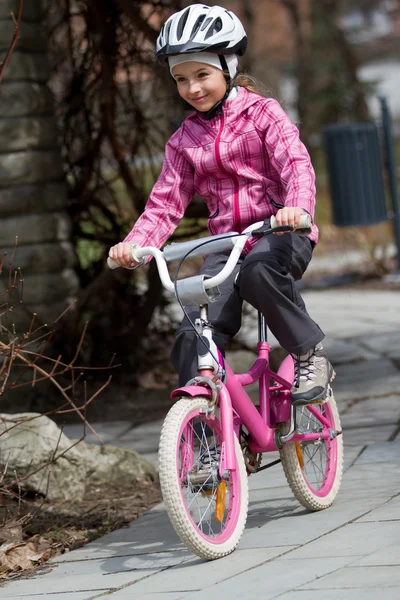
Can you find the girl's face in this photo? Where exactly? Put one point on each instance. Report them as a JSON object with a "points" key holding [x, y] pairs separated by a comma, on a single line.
{"points": [[201, 85]]}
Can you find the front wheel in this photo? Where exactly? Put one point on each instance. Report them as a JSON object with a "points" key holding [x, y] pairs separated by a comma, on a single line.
{"points": [[207, 512], [314, 469]]}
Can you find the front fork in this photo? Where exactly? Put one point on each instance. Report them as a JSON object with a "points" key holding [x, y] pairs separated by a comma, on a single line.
{"points": [[212, 374]]}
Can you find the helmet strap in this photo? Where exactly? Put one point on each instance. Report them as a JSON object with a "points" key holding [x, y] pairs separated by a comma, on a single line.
{"points": [[217, 108]]}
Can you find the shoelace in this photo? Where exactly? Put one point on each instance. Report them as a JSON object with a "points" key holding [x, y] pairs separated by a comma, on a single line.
{"points": [[212, 455], [304, 368]]}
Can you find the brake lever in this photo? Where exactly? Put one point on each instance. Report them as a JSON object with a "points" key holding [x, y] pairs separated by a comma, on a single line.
{"points": [[266, 229]]}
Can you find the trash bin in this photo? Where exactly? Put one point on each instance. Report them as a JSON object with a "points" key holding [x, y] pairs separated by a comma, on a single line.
{"points": [[355, 174]]}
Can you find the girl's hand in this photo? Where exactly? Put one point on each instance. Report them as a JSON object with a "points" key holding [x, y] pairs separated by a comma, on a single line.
{"points": [[289, 215], [122, 254]]}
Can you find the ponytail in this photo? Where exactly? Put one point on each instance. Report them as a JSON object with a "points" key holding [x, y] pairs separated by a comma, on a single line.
{"points": [[251, 84]]}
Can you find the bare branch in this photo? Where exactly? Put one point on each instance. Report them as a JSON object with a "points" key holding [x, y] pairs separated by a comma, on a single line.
{"points": [[17, 27]]}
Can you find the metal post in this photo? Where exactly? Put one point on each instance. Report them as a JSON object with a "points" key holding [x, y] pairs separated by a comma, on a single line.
{"points": [[262, 328], [391, 167]]}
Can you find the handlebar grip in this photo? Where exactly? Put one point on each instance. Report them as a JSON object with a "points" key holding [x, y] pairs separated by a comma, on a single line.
{"points": [[136, 256], [304, 227], [111, 263]]}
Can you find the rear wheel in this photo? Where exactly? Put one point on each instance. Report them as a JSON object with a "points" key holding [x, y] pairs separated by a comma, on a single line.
{"points": [[314, 469], [207, 512]]}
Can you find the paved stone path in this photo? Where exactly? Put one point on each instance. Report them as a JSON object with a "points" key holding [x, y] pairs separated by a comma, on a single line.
{"points": [[351, 550]]}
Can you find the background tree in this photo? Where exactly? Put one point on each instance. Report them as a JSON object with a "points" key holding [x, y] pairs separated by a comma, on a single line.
{"points": [[329, 88], [113, 103]]}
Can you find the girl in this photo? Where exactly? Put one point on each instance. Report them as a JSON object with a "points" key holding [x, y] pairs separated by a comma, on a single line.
{"points": [[241, 153]]}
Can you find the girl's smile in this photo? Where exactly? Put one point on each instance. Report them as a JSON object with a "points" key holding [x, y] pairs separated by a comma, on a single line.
{"points": [[199, 84]]}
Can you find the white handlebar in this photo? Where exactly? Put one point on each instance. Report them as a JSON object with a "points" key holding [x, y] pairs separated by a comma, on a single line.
{"points": [[239, 242]]}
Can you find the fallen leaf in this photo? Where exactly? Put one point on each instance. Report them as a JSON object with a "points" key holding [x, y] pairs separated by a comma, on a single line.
{"points": [[18, 557]]}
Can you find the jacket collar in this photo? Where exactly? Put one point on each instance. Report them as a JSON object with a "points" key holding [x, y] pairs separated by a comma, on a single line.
{"points": [[232, 107]]}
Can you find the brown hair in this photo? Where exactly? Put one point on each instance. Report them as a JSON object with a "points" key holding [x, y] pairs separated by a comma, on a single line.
{"points": [[251, 84]]}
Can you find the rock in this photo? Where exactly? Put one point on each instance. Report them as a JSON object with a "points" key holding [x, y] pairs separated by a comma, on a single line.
{"points": [[110, 465], [30, 445]]}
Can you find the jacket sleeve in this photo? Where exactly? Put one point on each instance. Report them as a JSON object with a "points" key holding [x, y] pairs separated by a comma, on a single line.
{"points": [[168, 200], [288, 156]]}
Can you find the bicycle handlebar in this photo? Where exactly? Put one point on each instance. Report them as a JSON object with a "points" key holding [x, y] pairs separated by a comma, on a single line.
{"points": [[207, 245]]}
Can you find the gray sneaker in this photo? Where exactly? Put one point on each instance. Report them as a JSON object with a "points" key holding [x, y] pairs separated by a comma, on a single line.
{"points": [[312, 375]]}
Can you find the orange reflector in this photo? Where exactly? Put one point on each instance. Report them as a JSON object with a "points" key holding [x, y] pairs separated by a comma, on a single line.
{"points": [[220, 502], [299, 452]]}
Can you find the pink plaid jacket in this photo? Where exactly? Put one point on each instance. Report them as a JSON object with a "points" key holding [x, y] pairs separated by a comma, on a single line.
{"points": [[246, 164]]}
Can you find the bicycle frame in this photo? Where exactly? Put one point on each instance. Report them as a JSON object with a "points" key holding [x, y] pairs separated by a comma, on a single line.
{"points": [[237, 408]]}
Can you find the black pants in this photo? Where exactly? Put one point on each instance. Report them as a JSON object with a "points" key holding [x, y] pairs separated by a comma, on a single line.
{"points": [[265, 279]]}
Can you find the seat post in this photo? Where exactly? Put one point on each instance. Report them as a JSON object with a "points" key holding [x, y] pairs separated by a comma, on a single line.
{"points": [[262, 328], [204, 312]]}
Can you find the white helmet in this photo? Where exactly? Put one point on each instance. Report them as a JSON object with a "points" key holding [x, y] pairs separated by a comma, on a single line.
{"points": [[200, 28]]}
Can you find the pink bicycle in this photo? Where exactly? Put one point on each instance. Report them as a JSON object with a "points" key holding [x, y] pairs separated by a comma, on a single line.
{"points": [[213, 437]]}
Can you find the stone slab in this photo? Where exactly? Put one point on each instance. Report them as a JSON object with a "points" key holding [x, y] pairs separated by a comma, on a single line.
{"points": [[388, 453], [301, 527], [199, 574], [50, 586], [127, 593], [353, 594], [382, 343], [388, 556], [350, 454], [271, 579], [368, 435], [265, 507], [23, 133], [390, 511], [30, 199], [48, 287], [275, 478], [30, 166], [366, 379], [376, 578], [152, 532], [342, 352], [36, 228], [27, 67], [32, 36], [49, 596], [369, 474], [153, 561], [32, 10], [40, 258], [355, 539], [372, 411]]}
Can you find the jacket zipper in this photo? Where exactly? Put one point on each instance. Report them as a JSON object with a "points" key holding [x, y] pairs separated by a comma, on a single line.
{"points": [[236, 213]]}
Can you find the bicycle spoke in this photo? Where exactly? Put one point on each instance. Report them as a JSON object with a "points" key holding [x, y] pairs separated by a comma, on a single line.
{"points": [[315, 454], [199, 441]]}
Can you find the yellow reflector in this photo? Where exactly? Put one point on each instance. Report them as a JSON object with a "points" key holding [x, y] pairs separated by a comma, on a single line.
{"points": [[299, 452], [220, 502]]}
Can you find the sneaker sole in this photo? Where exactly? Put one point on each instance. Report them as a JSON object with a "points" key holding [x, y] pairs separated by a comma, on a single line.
{"points": [[320, 399]]}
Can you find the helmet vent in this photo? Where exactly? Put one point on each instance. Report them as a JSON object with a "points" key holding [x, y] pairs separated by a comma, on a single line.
{"points": [[182, 23], [214, 28], [206, 22], [197, 26]]}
